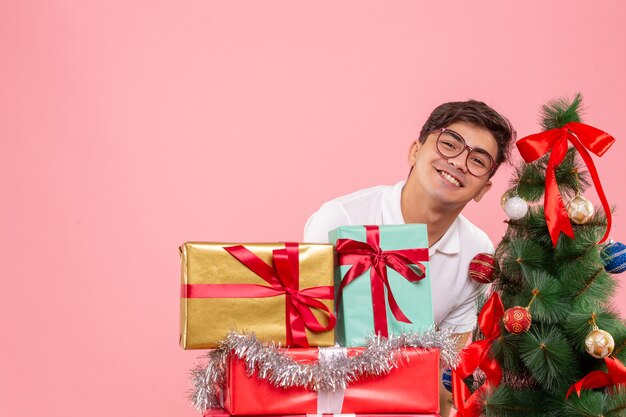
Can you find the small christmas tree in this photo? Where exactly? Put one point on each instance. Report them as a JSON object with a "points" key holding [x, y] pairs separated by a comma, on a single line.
{"points": [[558, 322]]}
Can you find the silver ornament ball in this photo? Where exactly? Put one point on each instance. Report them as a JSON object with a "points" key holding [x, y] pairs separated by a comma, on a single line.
{"points": [[505, 197], [516, 208]]}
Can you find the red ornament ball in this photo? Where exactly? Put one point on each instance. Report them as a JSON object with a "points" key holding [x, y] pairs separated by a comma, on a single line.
{"points": [[482, 268], [517, 320]]}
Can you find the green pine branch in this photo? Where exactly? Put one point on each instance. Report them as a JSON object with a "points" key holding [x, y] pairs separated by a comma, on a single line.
{"points": [[530, 179], [547, 354], [606, 403], [579, 324], [508, 402], [549, 306], [523, 255], [557, 113]]}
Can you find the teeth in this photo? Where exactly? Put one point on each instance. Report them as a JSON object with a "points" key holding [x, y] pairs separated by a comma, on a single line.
{"points": [[450, 178]]}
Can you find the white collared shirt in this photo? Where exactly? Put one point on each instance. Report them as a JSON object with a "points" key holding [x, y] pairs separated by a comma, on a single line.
{"points": [[454, 292]]}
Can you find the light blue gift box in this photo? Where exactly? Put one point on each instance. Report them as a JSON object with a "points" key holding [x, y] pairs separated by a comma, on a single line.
{"points": [[355, 316]]}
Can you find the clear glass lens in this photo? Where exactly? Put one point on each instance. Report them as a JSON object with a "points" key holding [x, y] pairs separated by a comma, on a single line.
{"points": [[450, 145]]}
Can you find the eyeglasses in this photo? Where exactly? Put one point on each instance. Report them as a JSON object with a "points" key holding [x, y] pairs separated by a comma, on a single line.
{"points": [[450, 145]]}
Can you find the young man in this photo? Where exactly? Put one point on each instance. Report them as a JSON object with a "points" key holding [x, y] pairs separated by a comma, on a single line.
{"points": [[459, 149]]}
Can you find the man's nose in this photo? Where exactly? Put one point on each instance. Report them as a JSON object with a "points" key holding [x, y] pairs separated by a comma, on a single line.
{"points": [[460, 160]]}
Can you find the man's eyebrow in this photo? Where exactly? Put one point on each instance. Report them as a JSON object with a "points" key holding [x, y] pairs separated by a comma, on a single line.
{"points": [[483, 152]]}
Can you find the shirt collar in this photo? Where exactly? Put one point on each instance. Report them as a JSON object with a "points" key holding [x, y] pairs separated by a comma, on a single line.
{"points": [[450, 242], [391, 206], [392, 214]]}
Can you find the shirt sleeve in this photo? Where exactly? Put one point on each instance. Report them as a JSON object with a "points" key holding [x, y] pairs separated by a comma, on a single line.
{"points": [[330, 216], [465, 316]]}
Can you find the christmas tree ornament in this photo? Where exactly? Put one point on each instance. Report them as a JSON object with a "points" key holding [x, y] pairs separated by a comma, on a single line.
{"points": [[505, 197], [446, 379], [516, 208], [615, 257], [517, 320], [482, 268], [599, 343], [579, 209]]}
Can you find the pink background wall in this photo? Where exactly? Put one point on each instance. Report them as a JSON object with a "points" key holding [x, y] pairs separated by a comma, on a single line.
{"points": [[127, 128]]}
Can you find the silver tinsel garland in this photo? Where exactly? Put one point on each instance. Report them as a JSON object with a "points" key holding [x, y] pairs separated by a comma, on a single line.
{"points": [[271, 364]]}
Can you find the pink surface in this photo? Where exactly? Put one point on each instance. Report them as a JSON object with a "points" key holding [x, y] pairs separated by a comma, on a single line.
{"points": [[127, 128]]}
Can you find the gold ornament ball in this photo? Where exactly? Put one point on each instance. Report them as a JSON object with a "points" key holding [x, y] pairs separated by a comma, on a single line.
{"points": [[599, 343], [580, 210]]}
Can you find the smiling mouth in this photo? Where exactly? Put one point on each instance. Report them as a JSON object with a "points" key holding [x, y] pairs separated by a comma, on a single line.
{"points": [[450, 178]]}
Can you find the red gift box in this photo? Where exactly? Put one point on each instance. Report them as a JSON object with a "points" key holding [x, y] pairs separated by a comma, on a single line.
{"points": [[413, 387], [224, 413], [218, 412]]}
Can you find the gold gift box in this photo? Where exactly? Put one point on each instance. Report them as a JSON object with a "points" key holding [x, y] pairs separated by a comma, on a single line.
{"points": [[204, 322]]}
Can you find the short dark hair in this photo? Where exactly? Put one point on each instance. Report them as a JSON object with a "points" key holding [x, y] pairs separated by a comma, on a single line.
{"points": [[478, 114]]}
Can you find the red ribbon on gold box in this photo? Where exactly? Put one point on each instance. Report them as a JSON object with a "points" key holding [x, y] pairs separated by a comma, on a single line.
{"points": [[282, 292]]}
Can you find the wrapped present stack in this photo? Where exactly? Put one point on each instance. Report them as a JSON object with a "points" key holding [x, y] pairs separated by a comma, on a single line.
{"points": [[306, 329]]}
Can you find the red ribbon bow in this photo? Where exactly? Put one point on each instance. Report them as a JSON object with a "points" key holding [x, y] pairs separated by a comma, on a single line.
{"points": [[283, 277], [583, 137], [475, 356], [363, 256], [616, 374]]}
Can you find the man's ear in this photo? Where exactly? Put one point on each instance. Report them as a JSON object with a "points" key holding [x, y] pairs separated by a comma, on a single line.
{"points": [[415, 147], [483, 191]]}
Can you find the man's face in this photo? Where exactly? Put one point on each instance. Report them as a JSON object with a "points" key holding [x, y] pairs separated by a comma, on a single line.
{"points": [[447, 180]]}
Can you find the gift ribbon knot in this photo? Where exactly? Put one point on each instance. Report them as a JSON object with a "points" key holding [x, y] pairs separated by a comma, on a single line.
{"points": [[585, 139], [368, 255], [283, 277], [475, 356]]}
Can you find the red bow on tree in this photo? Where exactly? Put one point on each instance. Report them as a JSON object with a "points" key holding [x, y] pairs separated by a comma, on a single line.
{"points": [[615, 375], [475, 356], [583, 137]]}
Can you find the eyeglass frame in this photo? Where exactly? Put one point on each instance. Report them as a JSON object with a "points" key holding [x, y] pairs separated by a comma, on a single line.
{"points": [[494, 164]]}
